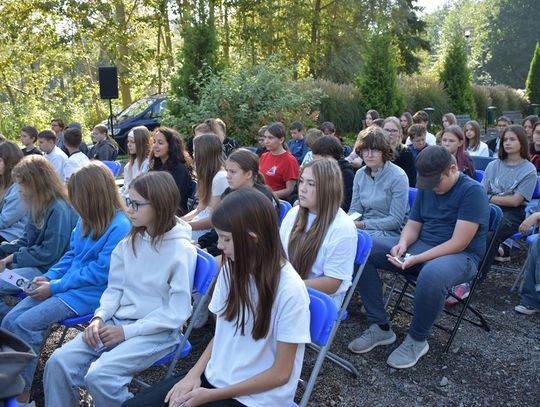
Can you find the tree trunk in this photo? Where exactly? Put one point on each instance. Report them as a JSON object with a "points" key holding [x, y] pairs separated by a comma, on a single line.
{"points": [[122, 52], [314, 55], [166, 33]]}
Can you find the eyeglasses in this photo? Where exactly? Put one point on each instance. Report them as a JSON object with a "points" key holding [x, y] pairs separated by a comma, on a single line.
{"points": [[391, 130], [135, 205], [370, 151]]}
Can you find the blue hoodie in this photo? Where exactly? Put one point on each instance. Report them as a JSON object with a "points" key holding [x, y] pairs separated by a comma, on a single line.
{"points": [[81, 276]]}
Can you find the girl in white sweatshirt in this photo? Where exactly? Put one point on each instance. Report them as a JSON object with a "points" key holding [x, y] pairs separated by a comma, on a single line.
{"points": [[262, 318], [147, 301]]}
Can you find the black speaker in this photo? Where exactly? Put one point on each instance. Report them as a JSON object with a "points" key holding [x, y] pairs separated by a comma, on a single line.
{"points": [[108, 82]]}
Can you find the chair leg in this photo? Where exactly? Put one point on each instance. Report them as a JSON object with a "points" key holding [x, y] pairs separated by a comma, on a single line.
{"points": [[391, 291], [519, 277], [62, 337], [400, 298], [338, 360]]}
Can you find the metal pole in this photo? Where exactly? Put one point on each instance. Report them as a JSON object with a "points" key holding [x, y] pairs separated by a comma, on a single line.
{"points": [[111, 118]]}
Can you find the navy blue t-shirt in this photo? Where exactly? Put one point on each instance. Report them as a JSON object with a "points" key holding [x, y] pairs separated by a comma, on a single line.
{"points": [[467, 200]]}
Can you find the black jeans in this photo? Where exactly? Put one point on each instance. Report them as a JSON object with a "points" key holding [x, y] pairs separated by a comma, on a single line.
{"points": [[512, 218], [154, 396]]}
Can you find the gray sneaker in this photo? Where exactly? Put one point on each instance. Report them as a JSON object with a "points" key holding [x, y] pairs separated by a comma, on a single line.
{"points": [[372, 337], [407, 354]]}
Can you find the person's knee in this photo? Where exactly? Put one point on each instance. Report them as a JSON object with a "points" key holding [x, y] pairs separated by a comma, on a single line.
{"points": [[57, 362], [94, 376], [430, 280]]}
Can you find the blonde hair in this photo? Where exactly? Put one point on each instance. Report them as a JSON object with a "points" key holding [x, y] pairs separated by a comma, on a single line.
{"points": [[36, 174], [304, 244], [94, 196]]}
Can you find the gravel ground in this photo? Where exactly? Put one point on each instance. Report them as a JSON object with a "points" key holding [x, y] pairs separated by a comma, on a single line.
{"points": [[497, 368]]}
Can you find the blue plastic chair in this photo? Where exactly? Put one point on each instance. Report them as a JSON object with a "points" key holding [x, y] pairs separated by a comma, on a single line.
{"points": [[114, 166], [74, 322], [284, 207], [205, 272], [11, 402], [479, 175], [480, 163], [324, 327], [412, 196]]}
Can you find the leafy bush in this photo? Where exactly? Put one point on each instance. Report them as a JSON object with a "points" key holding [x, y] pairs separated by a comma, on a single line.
{"points": [[340, 105], [482, 100], [423, 91], [377, 81], [246, 99], [456, 78], [532, 85]]}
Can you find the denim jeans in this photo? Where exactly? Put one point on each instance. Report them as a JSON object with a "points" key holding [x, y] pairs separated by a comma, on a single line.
{"points": [[30, 320], [434, 279], [530, 292], [8, 289], [106, 374]]}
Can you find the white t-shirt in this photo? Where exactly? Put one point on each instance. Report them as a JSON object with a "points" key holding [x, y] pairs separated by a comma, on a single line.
{"points": [[237, 357], [431, 140], [74, 162], [219, 185], [132, 172], [481, 151], [337, 252], [58, 160]]}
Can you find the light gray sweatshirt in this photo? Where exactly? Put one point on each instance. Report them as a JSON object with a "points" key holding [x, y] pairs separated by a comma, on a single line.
{"points": [[153, 287], [382, 200]]}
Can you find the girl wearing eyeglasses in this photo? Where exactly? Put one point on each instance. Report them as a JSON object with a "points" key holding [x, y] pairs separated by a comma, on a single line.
{"points": [[145, 304], [262, 318], [74, 285], [380, 188]]}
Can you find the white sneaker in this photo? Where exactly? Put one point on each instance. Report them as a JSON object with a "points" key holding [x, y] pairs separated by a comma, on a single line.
{"points": [[523, 309]]}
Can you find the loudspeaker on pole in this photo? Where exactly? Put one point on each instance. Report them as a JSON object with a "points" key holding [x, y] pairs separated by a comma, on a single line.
{"points": [[108, 82]]}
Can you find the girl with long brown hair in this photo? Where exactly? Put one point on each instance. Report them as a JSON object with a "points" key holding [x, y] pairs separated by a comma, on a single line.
{"points": [[50, 222], [138, 146], [12, 208], [143, 307], [74, 285], [211, 182], [262, 312], [168, 154], [317, 235]]}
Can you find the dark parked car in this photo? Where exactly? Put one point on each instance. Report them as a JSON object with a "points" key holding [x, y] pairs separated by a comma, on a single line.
{"points": [[144, 112]]}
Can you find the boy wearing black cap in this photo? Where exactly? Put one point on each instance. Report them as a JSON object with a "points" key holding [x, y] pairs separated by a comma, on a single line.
{"points": [[445, 238]]}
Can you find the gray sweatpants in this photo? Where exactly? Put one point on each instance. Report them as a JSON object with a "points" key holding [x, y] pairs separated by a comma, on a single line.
{"points": [[105, 374]]}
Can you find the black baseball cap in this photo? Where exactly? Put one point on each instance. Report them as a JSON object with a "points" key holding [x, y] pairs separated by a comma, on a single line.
{"points": [[430, 164]]}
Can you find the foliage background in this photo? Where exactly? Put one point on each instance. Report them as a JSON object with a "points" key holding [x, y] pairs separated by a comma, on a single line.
{"points": [[50, 51]]}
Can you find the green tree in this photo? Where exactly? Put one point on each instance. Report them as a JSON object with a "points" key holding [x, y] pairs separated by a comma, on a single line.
{"points": [[199, 53], [377, 81], [532, 85], [456, 78]]}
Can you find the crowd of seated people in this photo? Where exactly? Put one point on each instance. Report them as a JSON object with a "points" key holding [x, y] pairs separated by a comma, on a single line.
{"points": [[128, 255]]}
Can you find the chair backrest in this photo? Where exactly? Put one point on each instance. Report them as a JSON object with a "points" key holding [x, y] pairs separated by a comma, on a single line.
{"points": [[495, 220], [536, 193], [11, 402], [479, 175], [480, 163], [323, 314], [205, 271], [412, 196], [284, 207], [114, 166], [363, 247]]}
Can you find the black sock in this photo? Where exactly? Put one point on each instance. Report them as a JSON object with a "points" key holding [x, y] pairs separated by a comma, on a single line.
{"points": [[385, 327]]}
